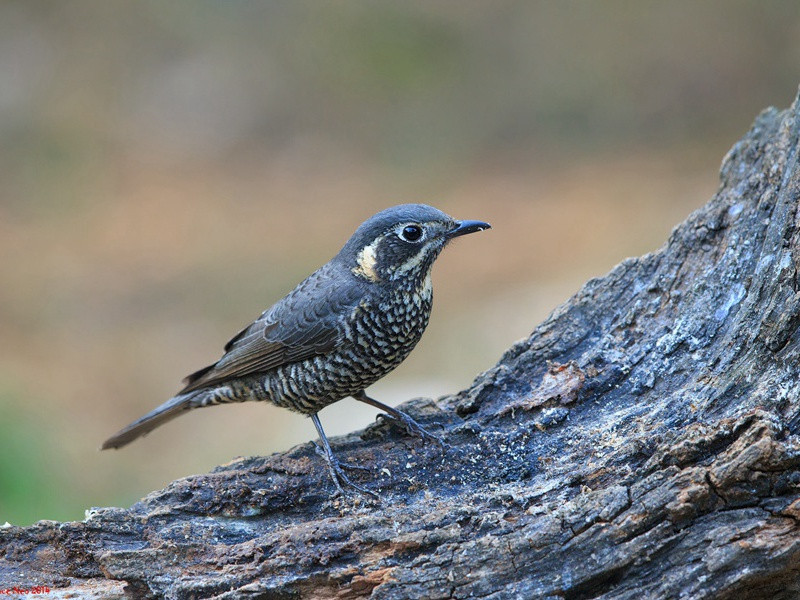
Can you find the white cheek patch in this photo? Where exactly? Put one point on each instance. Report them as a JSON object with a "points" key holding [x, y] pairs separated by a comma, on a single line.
{"points": [[366, 261]]}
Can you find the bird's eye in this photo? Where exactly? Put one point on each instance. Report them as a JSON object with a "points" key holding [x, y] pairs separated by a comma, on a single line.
{"points": [[411, 233]]}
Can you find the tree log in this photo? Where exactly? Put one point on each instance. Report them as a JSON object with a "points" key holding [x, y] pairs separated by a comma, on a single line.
{"points": [[642, 442]]}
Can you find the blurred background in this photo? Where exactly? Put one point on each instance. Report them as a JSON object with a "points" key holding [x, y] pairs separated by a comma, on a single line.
{"points": [[170, 169]]}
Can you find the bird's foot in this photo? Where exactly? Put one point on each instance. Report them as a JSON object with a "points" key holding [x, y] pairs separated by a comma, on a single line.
{"points": [[413, 428], [340, 480], [398, 417], [342, 465]]}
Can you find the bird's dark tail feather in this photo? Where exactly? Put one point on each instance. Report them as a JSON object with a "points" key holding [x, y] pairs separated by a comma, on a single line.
{"points": [[155, 418]]}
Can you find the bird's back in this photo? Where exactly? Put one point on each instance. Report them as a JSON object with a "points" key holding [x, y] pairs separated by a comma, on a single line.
{"points": [[377, 334], [326, 346]]}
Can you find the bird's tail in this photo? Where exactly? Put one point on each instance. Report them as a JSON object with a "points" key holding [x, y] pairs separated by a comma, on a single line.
{"points": [[155, 418]]}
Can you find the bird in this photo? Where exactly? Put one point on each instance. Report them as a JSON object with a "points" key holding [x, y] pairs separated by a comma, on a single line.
{"points": [[337, 332]]}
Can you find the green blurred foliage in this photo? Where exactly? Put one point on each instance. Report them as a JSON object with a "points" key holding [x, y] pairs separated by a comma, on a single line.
{"points": [[34, 477]]}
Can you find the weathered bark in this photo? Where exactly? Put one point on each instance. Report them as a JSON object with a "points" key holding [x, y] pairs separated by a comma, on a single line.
{"points": [[641, 443]]}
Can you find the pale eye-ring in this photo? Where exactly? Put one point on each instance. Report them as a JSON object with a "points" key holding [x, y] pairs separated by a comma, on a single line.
{"points": [[411, 233]]}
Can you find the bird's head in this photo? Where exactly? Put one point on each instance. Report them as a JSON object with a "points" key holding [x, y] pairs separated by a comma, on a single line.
{"points": [[401, 243]]}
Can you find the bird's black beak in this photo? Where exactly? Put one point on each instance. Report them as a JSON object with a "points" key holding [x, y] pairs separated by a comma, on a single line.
{"points": [[465, 227]]}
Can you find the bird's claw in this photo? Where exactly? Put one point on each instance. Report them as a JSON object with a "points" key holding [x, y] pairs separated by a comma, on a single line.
{"points": [[339, 464], [340, 480], [415, 429]]}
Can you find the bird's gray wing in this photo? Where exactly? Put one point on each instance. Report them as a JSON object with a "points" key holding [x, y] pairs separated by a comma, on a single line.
{"points": [[307, 322]]}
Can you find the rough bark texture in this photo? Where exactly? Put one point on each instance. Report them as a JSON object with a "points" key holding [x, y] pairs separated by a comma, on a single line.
{"points": [[641, 443]]}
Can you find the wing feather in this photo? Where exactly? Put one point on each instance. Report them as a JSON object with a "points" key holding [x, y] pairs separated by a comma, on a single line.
{"points": [[307, 322]]}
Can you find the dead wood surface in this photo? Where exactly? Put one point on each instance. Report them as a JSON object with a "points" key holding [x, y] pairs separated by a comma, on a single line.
{"points": [[642, 442]]}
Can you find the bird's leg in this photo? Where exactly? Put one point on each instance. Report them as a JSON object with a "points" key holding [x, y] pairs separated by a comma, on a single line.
{"points": [[398, 416], [334, 466], [321, 451]]}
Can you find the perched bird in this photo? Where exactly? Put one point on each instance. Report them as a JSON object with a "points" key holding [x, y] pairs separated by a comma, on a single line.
{"points": [[340, 330]]}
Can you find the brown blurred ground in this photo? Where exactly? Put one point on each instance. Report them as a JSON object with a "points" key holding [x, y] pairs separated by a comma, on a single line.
{"points": [[170, 169]]}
